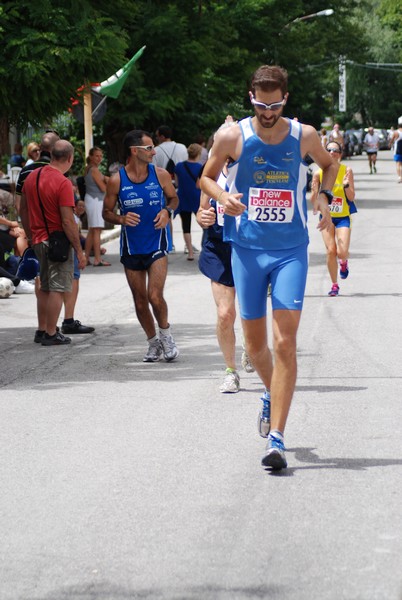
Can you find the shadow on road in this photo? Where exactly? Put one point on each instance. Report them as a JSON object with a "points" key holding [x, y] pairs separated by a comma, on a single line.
{"points": [[112, 353], [206, 592], [314, 462], [307, 455]]}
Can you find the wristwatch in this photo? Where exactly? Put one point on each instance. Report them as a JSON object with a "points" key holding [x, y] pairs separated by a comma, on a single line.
{"points": [[170, 210], [328, 194]]}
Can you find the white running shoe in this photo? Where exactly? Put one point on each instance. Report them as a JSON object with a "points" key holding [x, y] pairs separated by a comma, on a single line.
{"points": [[154, 352], [231, 383], [169, 348], [24, 287], [246, 363]]}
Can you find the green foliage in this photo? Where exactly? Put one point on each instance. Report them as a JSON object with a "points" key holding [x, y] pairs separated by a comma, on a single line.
{"points": [[198, 60], [49, 49]]}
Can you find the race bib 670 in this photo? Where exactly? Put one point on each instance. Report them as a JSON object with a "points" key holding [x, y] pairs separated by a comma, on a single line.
{"points": [[336, 206]]}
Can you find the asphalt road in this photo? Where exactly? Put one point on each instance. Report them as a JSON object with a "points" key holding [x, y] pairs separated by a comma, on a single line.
{"points": [[124, 480]]}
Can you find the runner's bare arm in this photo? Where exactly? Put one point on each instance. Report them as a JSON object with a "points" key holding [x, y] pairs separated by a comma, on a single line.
{"points": [[349, 184], [206, 215], [227, 146], [311, 145], [172, 201]]}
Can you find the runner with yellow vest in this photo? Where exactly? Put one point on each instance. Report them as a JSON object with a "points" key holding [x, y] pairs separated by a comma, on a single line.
{"points": [[337, 238]]}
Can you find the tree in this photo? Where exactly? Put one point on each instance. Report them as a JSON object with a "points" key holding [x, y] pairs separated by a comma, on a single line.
{"points": [[49, 49], [198, 59], [200, 55]]}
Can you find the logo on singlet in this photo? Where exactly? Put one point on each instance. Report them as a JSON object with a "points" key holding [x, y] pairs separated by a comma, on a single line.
{"points": [[133, 202], [259, 177], [277, 177]]}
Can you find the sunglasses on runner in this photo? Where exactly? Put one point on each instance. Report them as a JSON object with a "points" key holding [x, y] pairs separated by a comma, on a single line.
{"points": [[147, 148], [333, 150], [263, 106]]}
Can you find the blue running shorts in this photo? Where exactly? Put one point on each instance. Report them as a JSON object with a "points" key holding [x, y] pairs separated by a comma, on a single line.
{"points": [[253, 270], [340, 221], [215, 262]]}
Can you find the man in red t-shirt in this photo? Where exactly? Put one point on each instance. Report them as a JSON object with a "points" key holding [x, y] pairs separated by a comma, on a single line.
{"points": [[57, 198]]}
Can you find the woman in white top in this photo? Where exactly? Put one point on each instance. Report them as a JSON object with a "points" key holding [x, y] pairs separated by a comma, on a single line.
{"points": [[95, 185]]}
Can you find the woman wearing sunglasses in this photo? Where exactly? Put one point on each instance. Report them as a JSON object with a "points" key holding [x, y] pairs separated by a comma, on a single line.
{"points": [[337, 237], [33, 152]]}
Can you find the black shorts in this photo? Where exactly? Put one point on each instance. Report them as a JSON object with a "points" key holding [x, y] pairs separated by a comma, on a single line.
{"points": [[141, 262], [215, 262]]}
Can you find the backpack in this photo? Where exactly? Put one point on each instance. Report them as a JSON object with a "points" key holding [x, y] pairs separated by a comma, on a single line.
{"points": [[398, 147], [170, 165]]}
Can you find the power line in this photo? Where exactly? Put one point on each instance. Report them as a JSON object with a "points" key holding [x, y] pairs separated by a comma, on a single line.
{"points": [[376, 66]]}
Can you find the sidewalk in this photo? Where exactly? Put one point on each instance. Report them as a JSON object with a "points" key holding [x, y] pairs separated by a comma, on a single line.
{"points": [[110, 234]]}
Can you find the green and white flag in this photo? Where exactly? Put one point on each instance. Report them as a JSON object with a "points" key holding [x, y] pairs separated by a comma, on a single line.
{"points": [[112, 87]]}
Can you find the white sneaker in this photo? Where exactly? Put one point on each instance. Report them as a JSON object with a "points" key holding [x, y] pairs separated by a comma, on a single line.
{"points": [[24, 287], [231, 383], [154, 352], [170, 350], [246, 363]]}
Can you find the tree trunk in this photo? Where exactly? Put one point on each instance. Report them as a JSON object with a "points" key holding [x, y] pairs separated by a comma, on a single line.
{"points": [[4, 143]]}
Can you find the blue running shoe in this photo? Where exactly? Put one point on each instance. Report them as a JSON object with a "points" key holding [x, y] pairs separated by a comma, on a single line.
{"points": [[274, 456], [344, 270], [264, 416], [334, 291]]}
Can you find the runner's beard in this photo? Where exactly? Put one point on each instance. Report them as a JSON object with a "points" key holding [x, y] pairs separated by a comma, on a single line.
{"points": [[268, 123]]}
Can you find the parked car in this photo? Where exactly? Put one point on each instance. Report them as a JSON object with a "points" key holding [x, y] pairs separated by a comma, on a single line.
{"points": [[383, 135], [359, 134], [352, 144]]}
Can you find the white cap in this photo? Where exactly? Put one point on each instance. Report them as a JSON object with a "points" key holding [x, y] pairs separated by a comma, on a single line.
{"points": [[400, 120]]}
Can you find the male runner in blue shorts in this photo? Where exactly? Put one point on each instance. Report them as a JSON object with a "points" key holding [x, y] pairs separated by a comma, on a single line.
{"points": [[146, 198], [215, 263], [266, 224]]}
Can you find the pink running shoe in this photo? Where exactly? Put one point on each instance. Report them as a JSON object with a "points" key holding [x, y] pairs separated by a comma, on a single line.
{"points": [[344, 269], [334, 291]]}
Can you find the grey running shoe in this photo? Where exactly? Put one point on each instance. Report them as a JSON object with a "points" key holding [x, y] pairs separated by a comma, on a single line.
{"points": [[274, 456], [154, 352], [169, 348], [264, 417], [246, 363], [58, 339], [231, 383]]}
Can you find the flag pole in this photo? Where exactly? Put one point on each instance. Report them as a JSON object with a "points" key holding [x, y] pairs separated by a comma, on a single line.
{"points": [[88, 134]]}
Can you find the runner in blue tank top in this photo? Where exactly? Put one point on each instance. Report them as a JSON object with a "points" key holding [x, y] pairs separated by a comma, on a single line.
{"points": [[146, 198], [265, 218]]}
